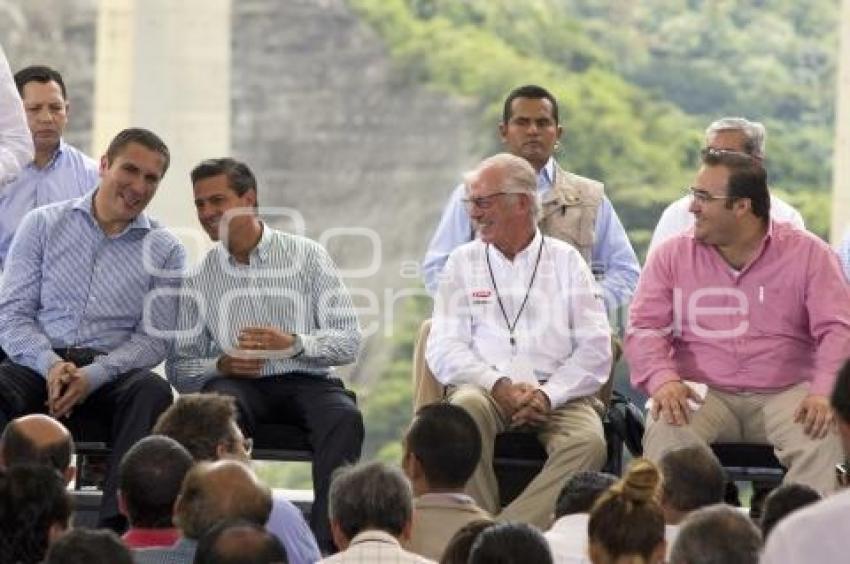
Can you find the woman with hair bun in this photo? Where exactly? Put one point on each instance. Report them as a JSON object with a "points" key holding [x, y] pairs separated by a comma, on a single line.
{"points": [[626, 523]]}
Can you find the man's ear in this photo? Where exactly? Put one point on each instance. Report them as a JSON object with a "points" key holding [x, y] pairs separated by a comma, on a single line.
{"points": [[104, 165], [406, 530], [340, 540], [122, 503], [69, 474]]}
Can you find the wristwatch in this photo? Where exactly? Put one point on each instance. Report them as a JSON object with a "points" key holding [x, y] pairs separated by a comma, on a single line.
{"points": [[297, 346]]}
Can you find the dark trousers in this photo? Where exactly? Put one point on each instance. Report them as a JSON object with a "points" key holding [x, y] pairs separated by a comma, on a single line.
{"points": [[318, 404], [126, 408]]}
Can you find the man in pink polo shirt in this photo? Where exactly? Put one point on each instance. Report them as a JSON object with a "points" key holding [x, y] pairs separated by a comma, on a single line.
{"points": [[753, 309]]}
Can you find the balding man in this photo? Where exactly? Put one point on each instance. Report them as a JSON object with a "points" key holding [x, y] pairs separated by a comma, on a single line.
{"points": [[37, 439], [212, 492]]}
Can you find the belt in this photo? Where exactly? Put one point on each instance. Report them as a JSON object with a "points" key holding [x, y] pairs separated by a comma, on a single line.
{"points": [[80, 356]]}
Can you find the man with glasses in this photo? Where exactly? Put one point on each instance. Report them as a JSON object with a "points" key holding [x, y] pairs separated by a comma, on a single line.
{"points": [[738, 328], [726, 134], [205, 425], [264, 319], [574, 209], [521, 337]]}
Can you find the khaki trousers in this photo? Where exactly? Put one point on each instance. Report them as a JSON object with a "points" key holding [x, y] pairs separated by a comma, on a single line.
{"points": [[573, 439], [754, 418]]}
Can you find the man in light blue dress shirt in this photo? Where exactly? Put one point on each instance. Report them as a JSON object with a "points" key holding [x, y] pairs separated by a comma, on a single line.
{"points": [[581, 215], [59, 171], [87, 300], [15, 140]]}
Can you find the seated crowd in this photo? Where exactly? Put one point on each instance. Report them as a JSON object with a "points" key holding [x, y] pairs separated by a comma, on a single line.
{"points": [[739, 324]]}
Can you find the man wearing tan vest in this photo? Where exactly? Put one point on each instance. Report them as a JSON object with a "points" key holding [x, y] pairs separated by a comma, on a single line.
{"points": [[575, 208]]}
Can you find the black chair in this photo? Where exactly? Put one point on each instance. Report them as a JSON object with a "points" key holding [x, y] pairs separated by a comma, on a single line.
{"points": [[282, 442], [518, 457], [749, 462]]}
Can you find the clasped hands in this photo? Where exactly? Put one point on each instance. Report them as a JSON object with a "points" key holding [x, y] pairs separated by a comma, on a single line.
{"points": [[671, 402], [255, 346], [67, 385], [523, 403]]}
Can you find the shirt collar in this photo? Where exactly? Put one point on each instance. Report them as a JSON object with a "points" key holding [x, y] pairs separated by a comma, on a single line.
{"points": [[532, 247], [546, 176], [54, 159], [261, 252], [86, 205], [374, 535]]}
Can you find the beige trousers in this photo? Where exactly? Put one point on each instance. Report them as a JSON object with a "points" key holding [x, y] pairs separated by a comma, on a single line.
{"points": [[573, 438], [754, 418]]}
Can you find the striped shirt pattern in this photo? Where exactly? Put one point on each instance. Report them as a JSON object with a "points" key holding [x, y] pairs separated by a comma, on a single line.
{"points": [[290, 283], [68, 284], [69, 174]]}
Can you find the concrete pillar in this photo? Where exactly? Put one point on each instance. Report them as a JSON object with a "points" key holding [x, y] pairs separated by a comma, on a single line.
{"points": [[165, 65], [841, 159]]}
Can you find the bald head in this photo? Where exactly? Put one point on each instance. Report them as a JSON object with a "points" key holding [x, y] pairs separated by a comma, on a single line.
{"points": [[216, 491], [240, 542], [36, 439]]}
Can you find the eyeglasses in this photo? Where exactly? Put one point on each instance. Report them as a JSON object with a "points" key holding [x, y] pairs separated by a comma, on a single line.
{"points": [[482, 202], [248, 445], [703, 196], [711, 151]]}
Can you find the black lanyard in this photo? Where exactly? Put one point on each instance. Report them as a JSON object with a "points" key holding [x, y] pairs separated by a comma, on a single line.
{"points": [[512, 326]]}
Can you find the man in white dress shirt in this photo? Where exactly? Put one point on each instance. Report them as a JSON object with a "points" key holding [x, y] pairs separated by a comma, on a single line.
{"points": [[819, 533], [520, 333], [16, 148], [726, 134]]}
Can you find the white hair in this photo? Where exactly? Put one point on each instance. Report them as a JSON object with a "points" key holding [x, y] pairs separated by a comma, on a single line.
{"points": [[518, 178], [754, 133]]}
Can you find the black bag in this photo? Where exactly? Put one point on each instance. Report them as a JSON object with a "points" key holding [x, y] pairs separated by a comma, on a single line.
{"points": [[626, 420]]}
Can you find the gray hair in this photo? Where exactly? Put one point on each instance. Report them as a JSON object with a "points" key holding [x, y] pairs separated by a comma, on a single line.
{"points": [[519, 178], [753, 131], [370, 496], [717, 534]]}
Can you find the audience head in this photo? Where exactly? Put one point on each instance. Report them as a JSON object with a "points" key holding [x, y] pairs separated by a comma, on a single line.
{"points": [[510, 543], [149, 479], [457, 551], [35, 509], [783, 501], [37, 439], [216, 491], [627, 520], [205, 424], [240, 542], [581, 491], [369, 496], [718, 534], [441, 449], [736, 134], [88, 546], [691, 477]]}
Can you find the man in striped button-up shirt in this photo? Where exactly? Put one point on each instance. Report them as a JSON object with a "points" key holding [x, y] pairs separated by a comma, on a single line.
{"points": [[263, 319], [86, 302]]}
